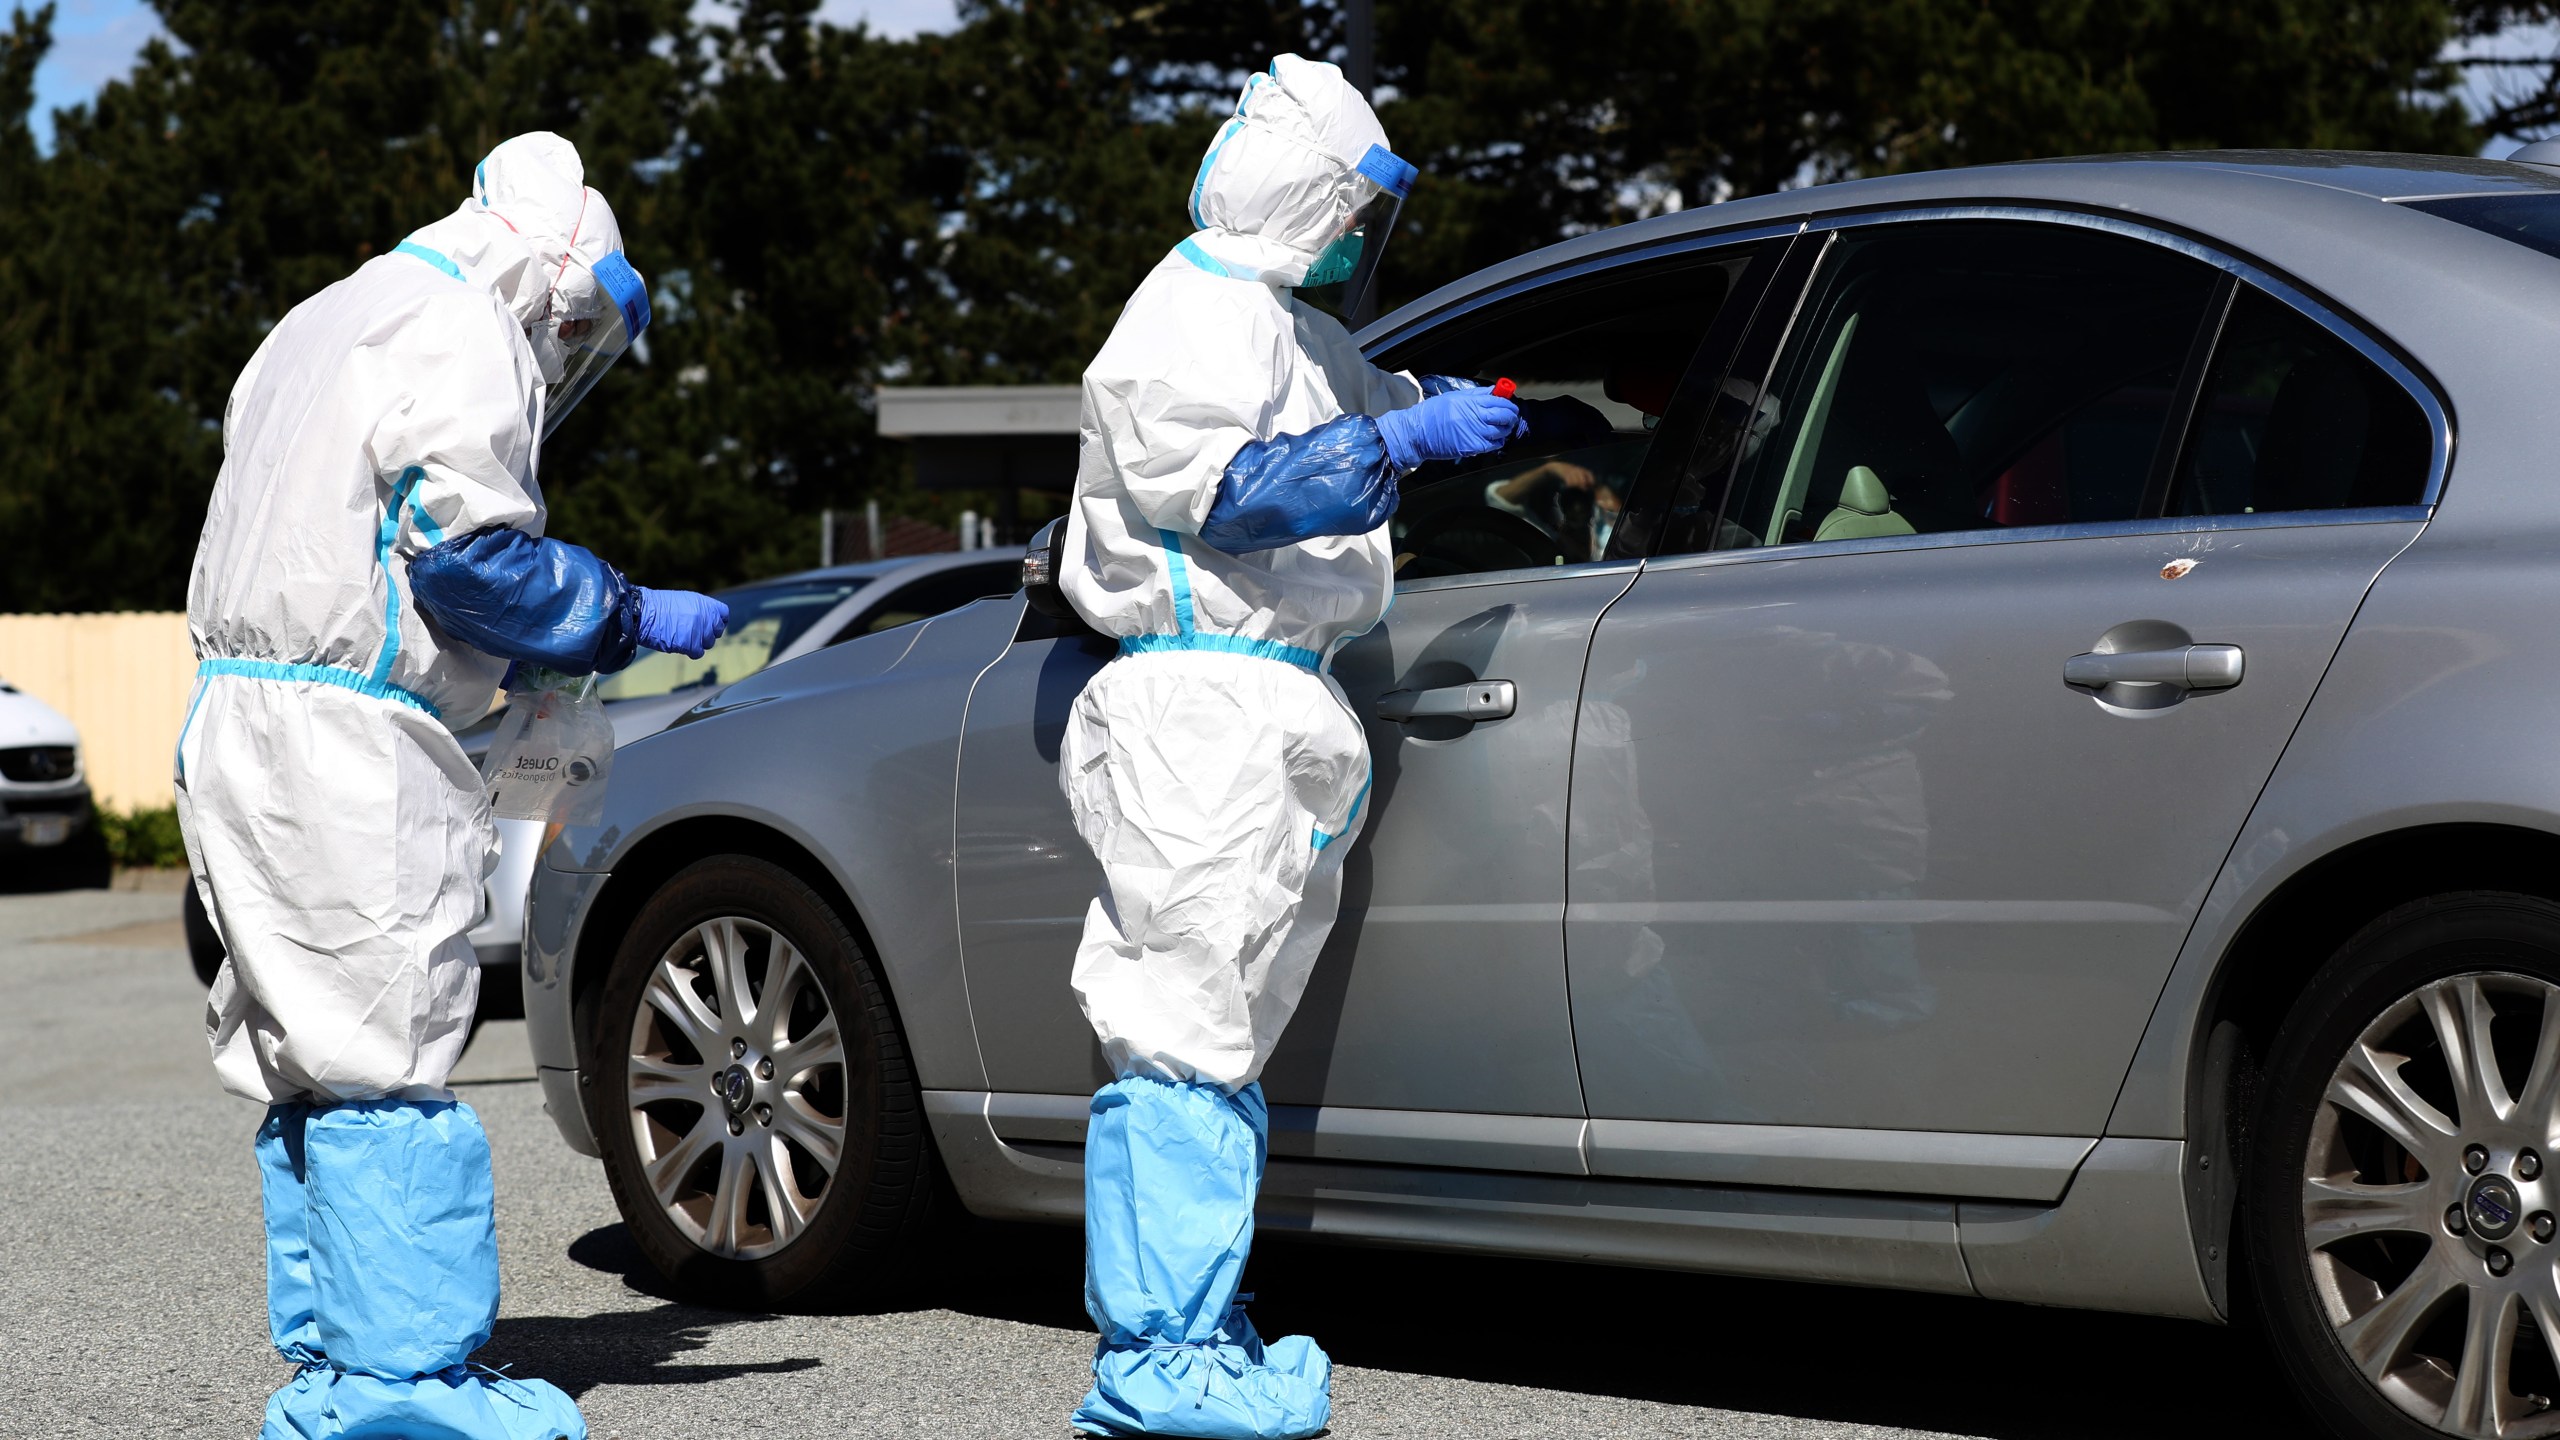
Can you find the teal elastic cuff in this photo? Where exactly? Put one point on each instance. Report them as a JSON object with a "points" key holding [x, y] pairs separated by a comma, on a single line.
{"points": [[320, 675], [1297, 655]]}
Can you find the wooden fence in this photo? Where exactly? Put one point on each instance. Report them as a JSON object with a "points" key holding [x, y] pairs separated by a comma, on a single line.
{"points": [[123, 679]]}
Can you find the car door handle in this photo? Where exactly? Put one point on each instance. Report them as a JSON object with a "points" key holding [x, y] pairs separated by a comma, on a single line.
{"points": [[1475, 700], [2184, 667]]}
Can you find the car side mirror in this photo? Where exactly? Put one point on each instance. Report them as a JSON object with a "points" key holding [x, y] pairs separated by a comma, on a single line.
{"points": [[1040, 568]]}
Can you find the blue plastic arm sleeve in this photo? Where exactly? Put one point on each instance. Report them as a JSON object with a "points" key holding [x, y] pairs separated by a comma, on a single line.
{"points": [[1332, 480], [504, 593]]}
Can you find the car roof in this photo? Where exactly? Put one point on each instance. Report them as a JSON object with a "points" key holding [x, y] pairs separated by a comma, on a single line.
{"points": [[2266, 190], [2381, 175], [905, 565]]}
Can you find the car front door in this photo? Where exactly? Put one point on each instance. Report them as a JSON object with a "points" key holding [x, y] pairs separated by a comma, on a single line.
{"points": [[1897, 786], [1443, 988]]}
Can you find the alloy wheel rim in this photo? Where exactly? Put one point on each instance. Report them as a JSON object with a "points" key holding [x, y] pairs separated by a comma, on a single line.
{"points": [[737, 1088], [2428, 1204]]}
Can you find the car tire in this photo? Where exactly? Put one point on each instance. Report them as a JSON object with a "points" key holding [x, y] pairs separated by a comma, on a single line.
{"points": [[719, 1117], [2400, 1202]]}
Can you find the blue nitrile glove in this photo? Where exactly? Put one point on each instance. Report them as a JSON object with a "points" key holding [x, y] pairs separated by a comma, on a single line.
{"points": [[1449, 426], [680, 622]]}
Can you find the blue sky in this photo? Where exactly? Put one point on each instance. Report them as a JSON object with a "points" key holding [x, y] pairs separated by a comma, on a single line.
{"points": [[95, 41]]}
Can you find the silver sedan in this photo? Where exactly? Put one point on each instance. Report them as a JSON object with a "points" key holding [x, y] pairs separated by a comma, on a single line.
{"points": [[2012, 768]]}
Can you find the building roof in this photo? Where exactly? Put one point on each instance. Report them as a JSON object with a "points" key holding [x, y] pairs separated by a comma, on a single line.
{"points": [[913, 412]]}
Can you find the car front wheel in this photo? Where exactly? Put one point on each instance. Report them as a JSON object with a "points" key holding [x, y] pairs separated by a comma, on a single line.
{"points": [[761, 1125], [2403, 1203]]}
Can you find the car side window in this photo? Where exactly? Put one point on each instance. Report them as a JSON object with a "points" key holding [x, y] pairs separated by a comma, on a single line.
{"points": [[1968, 376], [933, 595], [1606, 356], [2292, 417]]}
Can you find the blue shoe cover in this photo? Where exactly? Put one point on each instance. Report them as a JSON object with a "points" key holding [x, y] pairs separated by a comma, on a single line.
{"points": [[1215, 1391], [404, 1238], [281, 1191], [396, 1281], [1170, 1176], [459, 1404]]}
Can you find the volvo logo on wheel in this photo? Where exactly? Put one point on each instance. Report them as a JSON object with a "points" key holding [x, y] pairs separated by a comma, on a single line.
{"points": [[736, 1089], [2493, 1207]]}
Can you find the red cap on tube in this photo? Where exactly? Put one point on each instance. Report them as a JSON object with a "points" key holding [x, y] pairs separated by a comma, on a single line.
{"points": [[1504, 389]]}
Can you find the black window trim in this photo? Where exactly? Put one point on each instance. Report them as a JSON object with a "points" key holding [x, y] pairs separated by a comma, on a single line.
{"points": [[1411, 330], [2429, 398]]}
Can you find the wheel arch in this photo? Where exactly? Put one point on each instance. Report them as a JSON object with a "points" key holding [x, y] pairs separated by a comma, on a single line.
{"points": [[655, 859], [2294, 930], [2271, 959]]}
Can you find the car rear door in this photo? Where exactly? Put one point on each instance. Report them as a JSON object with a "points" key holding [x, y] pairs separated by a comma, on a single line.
{"points": [[1443, 989], [1897, 787]]}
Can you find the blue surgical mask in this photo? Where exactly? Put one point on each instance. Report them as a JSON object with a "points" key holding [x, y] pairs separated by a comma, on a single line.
{"points": [[1336, 263]]}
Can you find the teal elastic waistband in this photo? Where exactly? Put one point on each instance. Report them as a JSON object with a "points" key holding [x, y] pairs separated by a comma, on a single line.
{"points": [[319, 675], [1298, 655]]}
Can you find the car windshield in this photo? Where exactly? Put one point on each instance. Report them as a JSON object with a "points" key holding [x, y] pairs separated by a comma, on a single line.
{"points": [[2532, 221], [763, 621]]}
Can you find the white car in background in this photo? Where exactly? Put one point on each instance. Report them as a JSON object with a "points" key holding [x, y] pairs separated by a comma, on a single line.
{"points": [[770, 622], [48, 826]]}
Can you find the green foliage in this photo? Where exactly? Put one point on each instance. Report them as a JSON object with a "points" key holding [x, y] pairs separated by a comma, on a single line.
{"points": [[143, 839], [1540, 120], [820, 210]]}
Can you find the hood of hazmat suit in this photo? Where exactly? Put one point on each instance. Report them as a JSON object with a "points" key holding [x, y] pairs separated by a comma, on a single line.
{"points": [[583, 305], [1229, 526]]}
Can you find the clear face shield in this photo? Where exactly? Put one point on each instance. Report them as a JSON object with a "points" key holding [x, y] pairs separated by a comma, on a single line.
{"points": [[593, 321], [1351, 261]]}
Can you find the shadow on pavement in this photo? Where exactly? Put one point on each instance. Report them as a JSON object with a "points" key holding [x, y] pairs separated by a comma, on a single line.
{"points": [[625, 1348], [579, 1353], [611, 1250], [50, 878], [1875, 1357]]}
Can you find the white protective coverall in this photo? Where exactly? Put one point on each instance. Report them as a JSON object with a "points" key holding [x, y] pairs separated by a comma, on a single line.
{"points": [[386, 432], [1217, 772], [1229, 525], [337, 831]]}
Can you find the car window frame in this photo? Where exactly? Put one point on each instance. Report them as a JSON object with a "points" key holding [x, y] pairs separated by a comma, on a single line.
{"points": [[1820, 233], [1671, 447]]}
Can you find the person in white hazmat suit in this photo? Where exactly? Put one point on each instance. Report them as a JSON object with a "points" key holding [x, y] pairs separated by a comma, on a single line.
{"points": [[371, 561], [1238, 465]]}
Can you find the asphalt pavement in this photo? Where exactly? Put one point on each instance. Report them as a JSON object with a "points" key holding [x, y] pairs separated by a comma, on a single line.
{"points": [[132, 1290]]}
